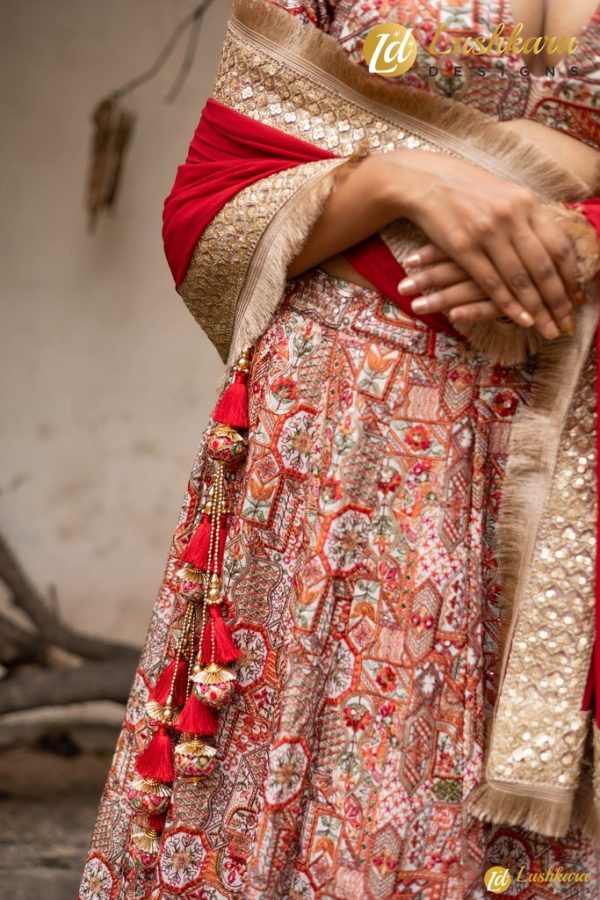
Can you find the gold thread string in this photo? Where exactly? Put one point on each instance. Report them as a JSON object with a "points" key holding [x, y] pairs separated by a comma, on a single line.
{"points": [[192, 632], [185, 626], [202, 630]]}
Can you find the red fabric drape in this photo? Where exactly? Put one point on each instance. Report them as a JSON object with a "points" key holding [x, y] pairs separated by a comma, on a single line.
{"points": [[230, 151]]}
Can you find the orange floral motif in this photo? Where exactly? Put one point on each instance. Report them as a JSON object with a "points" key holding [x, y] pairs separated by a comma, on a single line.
{"points": [[285, 389], [260, 491], [386, 678], [377, 362]]}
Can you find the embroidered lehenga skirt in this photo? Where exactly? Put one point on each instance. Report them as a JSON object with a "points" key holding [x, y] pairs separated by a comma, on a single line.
{"points": [[361, 575]]}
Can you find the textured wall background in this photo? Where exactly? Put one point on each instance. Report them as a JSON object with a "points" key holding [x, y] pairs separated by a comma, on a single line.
{"points": [[106, 380]]}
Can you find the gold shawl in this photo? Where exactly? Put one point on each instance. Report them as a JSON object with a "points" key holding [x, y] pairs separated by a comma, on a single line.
{"points": [[297, 79]]}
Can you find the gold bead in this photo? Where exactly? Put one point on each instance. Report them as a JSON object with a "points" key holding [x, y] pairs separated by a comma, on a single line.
{"points": [[243, 362], [214, 591]]}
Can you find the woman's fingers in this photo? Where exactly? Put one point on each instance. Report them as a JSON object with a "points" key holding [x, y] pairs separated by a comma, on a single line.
{"points": [[516, 264], [428, 255], [473, 265], [448, 298], [560, 247], [509, 246], [480, 311], [485, 274], [542, 269], [442, 275]]}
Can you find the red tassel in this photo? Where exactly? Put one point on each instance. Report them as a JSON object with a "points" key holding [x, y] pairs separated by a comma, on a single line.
{"points": [[156, 821], [160, 691], [223, 529], [196, 717], [232, 408], [156, 762], [196, 552], [226, 650]]}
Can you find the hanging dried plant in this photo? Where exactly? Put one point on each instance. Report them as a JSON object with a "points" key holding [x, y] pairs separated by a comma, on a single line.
{"points": [[113, 123], [113, 127]]}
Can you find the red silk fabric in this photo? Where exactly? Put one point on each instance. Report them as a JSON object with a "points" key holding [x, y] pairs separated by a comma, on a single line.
{"points": [[230, 151]]}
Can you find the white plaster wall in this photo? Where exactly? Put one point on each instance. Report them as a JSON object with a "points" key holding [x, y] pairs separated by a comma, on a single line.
{"points": [[106, 381]]}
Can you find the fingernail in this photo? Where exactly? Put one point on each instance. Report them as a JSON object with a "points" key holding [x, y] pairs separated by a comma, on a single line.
{"points": [[567, 325], [551, 331], [579, 298], [408, 286], [420, 306], [526, 319], [413, 260]]}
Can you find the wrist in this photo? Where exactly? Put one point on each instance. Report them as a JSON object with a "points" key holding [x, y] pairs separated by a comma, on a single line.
{"points": [[403, 178]]}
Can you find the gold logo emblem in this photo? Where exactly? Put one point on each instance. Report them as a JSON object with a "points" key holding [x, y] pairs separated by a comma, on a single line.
{"points": [[390, 49], [497, 879]]}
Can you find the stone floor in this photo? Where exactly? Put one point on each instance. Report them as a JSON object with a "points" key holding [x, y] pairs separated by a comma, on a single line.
{"points": [[49, 793]]}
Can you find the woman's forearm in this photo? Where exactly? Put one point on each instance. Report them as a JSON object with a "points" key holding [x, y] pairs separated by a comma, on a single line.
{"points": [[493, 228], [361, 204]]}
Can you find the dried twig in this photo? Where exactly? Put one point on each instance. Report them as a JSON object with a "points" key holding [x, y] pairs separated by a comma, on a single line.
{"points": [[95, 669]]}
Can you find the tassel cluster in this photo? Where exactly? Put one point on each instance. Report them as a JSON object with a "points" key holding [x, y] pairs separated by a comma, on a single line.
{"points": [[184, 702]]}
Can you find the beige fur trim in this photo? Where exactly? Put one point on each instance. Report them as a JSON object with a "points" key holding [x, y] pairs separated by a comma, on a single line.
{"points": [[493, 803], [451, 125], [281, 241], [439, 119], [503, 342], [532, 460]]}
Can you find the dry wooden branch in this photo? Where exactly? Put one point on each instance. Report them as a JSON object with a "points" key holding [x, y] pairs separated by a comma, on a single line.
{"points": [[30, 688], [18, 646], [97, 669], [50, 628]]}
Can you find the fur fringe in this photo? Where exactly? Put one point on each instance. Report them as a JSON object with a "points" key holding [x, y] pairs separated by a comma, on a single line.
{"points": [[491, 142], [471, 133], [505, 343], [587, 819], [281, 242], [586, 816], [532, 458], [531, 462], [548, 817]]}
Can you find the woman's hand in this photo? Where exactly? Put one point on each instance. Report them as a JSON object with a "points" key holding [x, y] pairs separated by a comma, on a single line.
{"points": [[453, 291], [495, 231]]}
